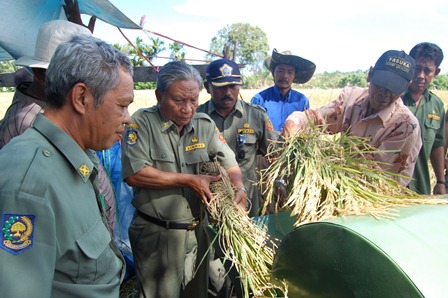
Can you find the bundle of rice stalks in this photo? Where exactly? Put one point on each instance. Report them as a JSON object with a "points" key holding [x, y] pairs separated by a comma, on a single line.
{"points": [[243, 243], [332, 175]]}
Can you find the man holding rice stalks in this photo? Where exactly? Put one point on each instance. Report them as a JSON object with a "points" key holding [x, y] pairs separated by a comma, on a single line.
{"points": [[246, 127], [163, 152], [377, 113]]}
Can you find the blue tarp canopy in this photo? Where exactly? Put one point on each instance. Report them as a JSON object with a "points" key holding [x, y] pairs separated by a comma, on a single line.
{"points": [[21, 21]]}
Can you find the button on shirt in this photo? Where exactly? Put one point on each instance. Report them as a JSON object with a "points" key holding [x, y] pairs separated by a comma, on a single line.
{"points": [[393, 128], [431, 116], [70, 250], [153, 140], [279, 107]]}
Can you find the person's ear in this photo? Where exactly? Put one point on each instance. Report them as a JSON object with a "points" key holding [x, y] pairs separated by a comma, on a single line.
{"points": [[437, 71], [80, 98], [207, 87], [159, 96], [370, 74]]}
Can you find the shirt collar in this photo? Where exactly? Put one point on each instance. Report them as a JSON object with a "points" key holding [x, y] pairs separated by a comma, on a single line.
{"points": [[79, 160], [384, 114]]}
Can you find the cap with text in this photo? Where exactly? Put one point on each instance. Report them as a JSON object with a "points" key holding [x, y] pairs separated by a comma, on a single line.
{"points": [[393, 71], [223, 72]]}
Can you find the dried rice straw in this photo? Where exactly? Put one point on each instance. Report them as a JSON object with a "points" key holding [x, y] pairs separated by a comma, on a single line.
{"points": [[333, 175], [250, 249]]}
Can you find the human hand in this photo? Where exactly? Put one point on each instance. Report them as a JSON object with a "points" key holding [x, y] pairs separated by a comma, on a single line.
{"points": [[73, 14], [241, 198], [280, 192], [201, 184], [439, 189]]}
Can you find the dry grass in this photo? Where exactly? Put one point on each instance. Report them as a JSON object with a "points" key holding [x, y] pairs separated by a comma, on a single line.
{"points": [[147, 98]]}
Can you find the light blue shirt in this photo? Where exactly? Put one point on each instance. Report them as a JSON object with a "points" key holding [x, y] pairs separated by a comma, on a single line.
{"points": [[279, 107]]}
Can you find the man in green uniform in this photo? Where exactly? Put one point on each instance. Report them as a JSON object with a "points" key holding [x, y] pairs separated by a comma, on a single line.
{"points": [[246, 127], [430, 112], [163, 152], [55, 240]]}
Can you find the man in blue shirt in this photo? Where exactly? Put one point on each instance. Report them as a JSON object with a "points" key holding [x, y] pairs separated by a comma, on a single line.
{"points": [[280, 100]]}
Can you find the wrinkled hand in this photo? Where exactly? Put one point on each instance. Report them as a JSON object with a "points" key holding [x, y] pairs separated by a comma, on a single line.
{"points": [[241, 199], [73, 14], [201, 184]]}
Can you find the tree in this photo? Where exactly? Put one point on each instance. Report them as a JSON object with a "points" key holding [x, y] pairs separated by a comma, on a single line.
{"points": [[251, 44], [177, 51], [147, 50]]}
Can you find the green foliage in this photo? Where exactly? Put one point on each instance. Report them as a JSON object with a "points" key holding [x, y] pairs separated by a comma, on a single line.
{"points": [[8, 67], [440, 82], [177, 51], [251, 44], [144, 85], [337, 79]]}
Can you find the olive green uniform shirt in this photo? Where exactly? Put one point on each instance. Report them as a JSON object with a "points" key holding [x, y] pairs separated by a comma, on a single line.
{"points": [[55, 241], [431, 116], [170, 262], [252, 122], [152, 140]]}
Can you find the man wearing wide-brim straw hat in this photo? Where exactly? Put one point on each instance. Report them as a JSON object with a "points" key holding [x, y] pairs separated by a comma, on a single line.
{"points": [[281, 100]]}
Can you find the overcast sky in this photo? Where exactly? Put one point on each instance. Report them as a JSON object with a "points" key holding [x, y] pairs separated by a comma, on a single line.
{"points": [[344, 35]]}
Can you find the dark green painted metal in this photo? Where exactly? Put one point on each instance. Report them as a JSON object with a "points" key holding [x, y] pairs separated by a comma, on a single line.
{"points": [[360, 256]]}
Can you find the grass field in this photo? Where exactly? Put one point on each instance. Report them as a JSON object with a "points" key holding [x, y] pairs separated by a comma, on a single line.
{"points": [[146, 98]]}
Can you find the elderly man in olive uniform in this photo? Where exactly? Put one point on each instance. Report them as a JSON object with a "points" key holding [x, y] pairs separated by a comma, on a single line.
{"points": [[246, 127], [55, 240], [163, 152]]}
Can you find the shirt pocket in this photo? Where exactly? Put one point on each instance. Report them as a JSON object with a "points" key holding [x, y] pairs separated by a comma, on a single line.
{"points": [[96, 258], [163, 160], [430, 130]]}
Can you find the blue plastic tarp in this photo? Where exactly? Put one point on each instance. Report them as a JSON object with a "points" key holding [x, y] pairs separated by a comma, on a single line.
{"points": [[21, 20]]}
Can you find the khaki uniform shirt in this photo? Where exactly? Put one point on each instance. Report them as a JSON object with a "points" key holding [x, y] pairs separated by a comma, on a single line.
{"points": [[394, 128], [54, 239], [252, 122], [153, 140], [431, 116]]}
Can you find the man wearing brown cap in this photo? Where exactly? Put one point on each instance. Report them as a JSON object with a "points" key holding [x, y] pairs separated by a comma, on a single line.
{"points": [[245, 127], [281, 100], [376, 112]]}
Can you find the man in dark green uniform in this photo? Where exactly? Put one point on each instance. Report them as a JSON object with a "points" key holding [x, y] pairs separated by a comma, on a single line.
{"points": [[55, 240], [246, 127], [430, 112], [164, 149]]}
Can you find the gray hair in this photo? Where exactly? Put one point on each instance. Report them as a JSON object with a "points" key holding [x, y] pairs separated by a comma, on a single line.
{"points": [[176, 71], [84, 59]]}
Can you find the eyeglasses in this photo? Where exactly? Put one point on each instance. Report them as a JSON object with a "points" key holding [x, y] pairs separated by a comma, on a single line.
{"points": [[240, 153]]}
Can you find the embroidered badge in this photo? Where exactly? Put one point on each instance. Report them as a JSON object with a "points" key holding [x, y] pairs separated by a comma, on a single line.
{"points": [[269, 125], [84, 170], [434, 116], [246, 125], [131, 137], [246, 130], [226, 71], [195, 146], [220, 136], [17, 232], [194, 139]]}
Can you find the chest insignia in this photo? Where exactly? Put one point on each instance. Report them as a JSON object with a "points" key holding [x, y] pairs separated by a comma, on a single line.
{"points": [[195, 146], [17, 232], [194, 139]]}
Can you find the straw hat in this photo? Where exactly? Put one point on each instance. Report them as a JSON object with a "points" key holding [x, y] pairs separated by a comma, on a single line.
{"points": [[304, 68], [50, 35]]}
